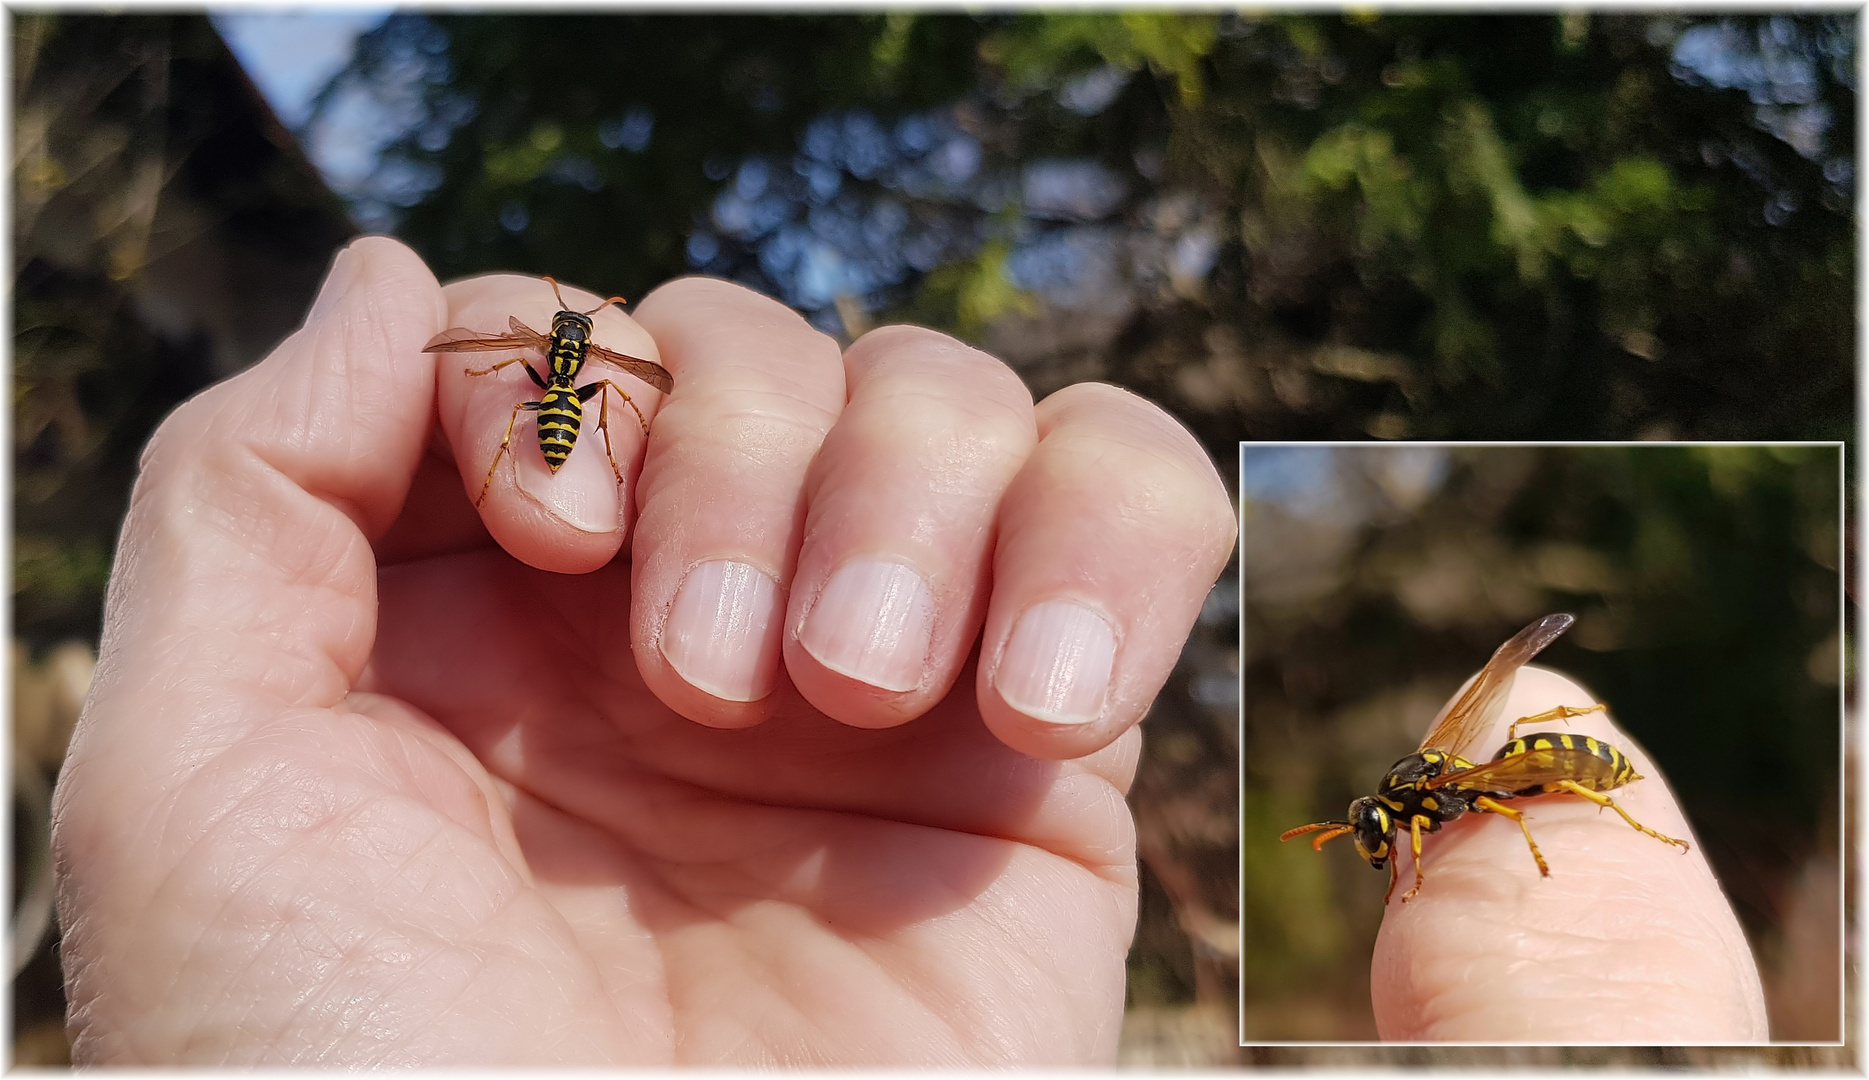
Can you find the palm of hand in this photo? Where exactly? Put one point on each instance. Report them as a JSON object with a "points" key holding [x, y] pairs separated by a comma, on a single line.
{"points": [[593, 877]]}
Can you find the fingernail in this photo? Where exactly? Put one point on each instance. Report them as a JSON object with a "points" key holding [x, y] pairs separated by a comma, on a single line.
{"points": [[721, 635], [345, 270], [583, 493], [1057, 663], [872, 622]]}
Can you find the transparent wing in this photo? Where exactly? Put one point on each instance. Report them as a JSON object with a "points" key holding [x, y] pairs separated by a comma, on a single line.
{"points": [[647, 370], [1521, 771], [461, 339], [1473, 715]]}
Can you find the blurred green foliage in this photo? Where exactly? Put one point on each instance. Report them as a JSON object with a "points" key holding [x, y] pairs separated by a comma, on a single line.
{"points": [[1706, 584], [1534, 226]]}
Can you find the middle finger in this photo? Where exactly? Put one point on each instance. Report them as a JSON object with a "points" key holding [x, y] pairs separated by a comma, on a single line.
{"points": [[892, 579], [720, 503]]}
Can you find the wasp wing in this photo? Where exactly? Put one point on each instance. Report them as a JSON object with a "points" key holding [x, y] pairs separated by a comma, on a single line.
{"points": [[1528, 769], [647, 370], [1473, 715], [461, 339]]}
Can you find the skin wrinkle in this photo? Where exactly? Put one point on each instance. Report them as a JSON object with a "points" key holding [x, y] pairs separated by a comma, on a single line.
{"points": [[787, 953], [1025, 935], [975, 386], [449, 945], [481, 952], [954, 828], [1146, 496], [388, 994], [764, 394], [278, 850], [473, 786], [970, 465], [181, 969], [751, 438], [919, 985], [952, 390], [615, 980], [333, 572], [264, 785]]}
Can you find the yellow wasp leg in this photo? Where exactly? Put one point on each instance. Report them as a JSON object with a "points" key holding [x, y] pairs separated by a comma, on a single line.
{"points": [[1394, 874], [1601, 799], [509, 363], [1414, 844], [1493, 806], [603, 417], [1562, 712], [504, 443], [626, 400]]}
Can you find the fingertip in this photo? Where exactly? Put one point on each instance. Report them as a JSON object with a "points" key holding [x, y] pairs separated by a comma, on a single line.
{"points": [[343, 406], [720, 498], [398, 280], [1110, 539], [575, 518]]}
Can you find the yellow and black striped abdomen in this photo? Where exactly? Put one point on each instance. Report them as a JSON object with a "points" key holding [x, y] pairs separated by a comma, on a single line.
{"points": [[560, 412], [1592, 763]]}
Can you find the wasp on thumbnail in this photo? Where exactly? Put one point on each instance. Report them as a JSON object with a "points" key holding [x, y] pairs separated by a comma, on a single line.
{"points": [[561, 410], [1435, 784]]}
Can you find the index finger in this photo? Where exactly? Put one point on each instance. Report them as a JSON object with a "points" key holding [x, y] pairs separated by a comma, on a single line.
{"points": [[1629, 940]]}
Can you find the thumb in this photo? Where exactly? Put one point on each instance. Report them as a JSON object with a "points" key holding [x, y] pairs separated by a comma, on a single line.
{"points": [[1628, 941], [248, 527], [243, 583]]}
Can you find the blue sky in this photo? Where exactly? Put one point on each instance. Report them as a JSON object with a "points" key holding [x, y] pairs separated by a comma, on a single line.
{"points": [[290, 54]]}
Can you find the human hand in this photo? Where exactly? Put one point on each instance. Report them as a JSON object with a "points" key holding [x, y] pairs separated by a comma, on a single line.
{"points": [[364, 778], [1630, 941]]}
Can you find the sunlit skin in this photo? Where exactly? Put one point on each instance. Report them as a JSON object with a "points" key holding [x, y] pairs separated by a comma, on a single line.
{"points": [[369, 776]]}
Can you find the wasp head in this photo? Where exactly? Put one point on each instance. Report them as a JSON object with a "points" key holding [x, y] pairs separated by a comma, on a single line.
{"points": [[1373, 830], [570, 324]]}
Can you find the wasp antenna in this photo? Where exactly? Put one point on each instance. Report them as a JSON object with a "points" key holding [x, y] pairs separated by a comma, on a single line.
{"points": [[553, 282], [1334, 829], [617, 300]]}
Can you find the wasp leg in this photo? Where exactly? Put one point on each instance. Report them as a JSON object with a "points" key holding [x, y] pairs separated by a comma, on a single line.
{"points": [[508, 363], [1562, 712], [586, 392], [1414, 844], [504, 443], [1493, 806], [1394, 874], [1601, 799]]}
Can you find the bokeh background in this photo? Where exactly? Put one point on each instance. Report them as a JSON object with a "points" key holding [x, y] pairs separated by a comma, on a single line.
{"points": [[1706, 585], [1310, 225]]}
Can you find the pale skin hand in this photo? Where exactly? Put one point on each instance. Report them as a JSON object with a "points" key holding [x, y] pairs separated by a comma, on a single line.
{"points": [[359, 783], [1629, 941]]}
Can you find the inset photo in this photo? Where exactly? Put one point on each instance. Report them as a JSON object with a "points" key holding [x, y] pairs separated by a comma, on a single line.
{"points": [[1541, 744]]}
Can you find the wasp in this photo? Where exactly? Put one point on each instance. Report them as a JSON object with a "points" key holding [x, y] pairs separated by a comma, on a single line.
{"points": [[1435, 784], [561, 410]]}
